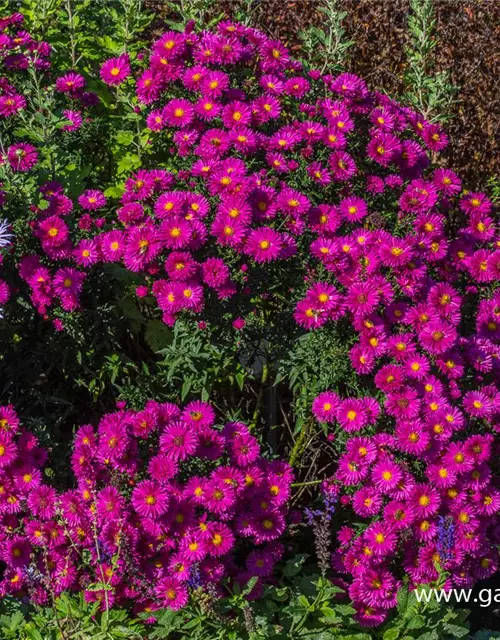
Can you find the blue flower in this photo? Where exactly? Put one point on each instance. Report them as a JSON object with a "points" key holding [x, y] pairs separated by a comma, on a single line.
{"points": [[5, 234]]}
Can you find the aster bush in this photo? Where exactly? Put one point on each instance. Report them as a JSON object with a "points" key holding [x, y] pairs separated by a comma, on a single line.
{"points": [[285, 242], [164, 500]]}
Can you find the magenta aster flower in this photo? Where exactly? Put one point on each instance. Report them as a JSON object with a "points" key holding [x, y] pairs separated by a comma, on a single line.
{"points": [[149, 499], [142, 247], [22, 156], [198, 414], [162, 468], [367, 502], [342, 165], [219, 539], [386, 475], [112, 245], [9, 421], [351, 415], [435, 138], [8, 449], [383, 148], [115, 70], [178, 440], [109, 503], [92, 199], [438, 336], [86, 253], [171, 593], [264, 244], [353, 209], [16, 551], [70, 83], [68, 284], [178, 112], [11, 104], [325, 406], [42, 502], [75, 118], [425, 500], [381, 539]]}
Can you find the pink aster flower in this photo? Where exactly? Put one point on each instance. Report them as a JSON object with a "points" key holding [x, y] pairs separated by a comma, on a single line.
{"points": [[171, 593], [219, 539], [11, 104], [264, 244], [68, 284], [109, 503], [22, 156], [9, 421], [86, 253], [141, 247], [325, 406], [112, 245], [70, 83], [42, 502], [115, 70], [178, 112], [438, 336], [16, 551], [351, 415], [92, 199], [386, 475], [425, 500], [75, 118], [149, 499], [198, 414], [8, 449], [342, 165], [179, 440], [353, 209]]}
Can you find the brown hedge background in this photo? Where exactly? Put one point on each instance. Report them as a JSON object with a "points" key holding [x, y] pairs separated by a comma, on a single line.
{"points": [[468, 46]]}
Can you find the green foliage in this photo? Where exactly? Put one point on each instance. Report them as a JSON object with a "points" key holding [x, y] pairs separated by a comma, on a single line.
{"points": [[431, 620], [430, 92], [183, 11], [302, 605], [70, 617], [326, 46], [494, 189]]}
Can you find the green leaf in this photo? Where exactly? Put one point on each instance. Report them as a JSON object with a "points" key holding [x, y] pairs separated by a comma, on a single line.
{"points": [[391, 634], [114, 192], [416, 622], [131, 310], [456, 631], [157, 335], [186, 387], [125, 138], [128, 163], [240, 379], [345, 609], [293, 566], [104, 621], [250, 585]]}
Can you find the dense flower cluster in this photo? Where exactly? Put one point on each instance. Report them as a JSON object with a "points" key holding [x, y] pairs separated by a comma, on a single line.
{"points": [[420, 454], [263, 165], [292, 166], [149, 527]]}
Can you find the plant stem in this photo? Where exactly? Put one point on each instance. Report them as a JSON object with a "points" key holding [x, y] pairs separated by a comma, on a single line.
{"points": [[306, 484], [258, 406], [299, 444], [71, 25]]}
